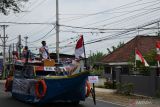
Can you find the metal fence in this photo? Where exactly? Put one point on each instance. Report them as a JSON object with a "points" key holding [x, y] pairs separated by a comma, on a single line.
{"points": [[143, 85]]}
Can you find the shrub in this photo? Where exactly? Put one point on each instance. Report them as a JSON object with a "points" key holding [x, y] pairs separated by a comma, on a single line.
{"points": [[108, 84], [128, 88], [125, 88], [158, 93], [119, 87]]}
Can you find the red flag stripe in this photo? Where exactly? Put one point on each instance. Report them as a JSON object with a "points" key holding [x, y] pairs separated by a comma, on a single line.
{"points": [[158, 44], [140, 55], [79, 43]]}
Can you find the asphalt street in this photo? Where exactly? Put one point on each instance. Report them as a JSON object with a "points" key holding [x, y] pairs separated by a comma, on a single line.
{"points": [[7, 100]]}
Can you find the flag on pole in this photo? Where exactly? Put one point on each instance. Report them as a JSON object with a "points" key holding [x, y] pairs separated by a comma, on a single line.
{"points": [[158, 52], [79, 47], [158, 47], [140, 58]]}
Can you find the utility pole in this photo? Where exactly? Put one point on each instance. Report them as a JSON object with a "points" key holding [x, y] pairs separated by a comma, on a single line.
{"points": [[4, 39], [19, 46], [57, 31], [158, 32], [9, 51], [137, 31], [26, 37], [13, 46]]}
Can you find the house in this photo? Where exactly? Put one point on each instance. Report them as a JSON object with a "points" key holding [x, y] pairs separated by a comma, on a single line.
{"points": [[122, 55], [117, 65]]}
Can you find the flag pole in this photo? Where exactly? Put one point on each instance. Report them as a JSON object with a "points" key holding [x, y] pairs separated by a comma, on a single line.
{"points": [[135, 57], [158, 59], [85, 61]]}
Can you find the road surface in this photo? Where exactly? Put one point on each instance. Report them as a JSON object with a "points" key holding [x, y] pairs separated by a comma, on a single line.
{"points": [[6, 100]]}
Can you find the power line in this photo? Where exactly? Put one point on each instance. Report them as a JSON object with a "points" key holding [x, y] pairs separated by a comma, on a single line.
{"points": [[28, 23], [91, 28], [124, 32], [12, 39], [118, 16], [129, 18], [119, 7], [43, 36]]}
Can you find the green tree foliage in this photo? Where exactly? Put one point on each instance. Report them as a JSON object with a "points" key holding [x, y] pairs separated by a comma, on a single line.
{"points": [[95, 57], [10, 5], [115, 47]]}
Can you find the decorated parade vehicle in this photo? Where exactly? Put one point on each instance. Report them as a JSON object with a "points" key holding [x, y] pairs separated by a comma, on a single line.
{"points": [[44, 81]]}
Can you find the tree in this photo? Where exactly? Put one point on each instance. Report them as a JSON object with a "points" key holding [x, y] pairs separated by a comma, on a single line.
{"points": [[95, 57], [115, 47], [10, 5]]}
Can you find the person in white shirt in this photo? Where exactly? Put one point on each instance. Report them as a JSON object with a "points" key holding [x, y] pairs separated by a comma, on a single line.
{"points": [[44, 51]]}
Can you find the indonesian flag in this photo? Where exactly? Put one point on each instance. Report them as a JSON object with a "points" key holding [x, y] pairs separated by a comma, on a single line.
{"points": [[158, 50], [158, 47], [140, 58], [79, 47]]}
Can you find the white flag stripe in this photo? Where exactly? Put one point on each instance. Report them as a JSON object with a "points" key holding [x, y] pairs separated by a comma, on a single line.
{"points": [[145, 63], [140, 58], [158, 51], [78, 52]]}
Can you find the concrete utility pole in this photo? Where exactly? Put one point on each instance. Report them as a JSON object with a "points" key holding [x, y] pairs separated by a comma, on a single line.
{"points": [[19, 46], [9, 51], [4, 39], [158, 32], [57, 31], [13, 46], [26, 37]]}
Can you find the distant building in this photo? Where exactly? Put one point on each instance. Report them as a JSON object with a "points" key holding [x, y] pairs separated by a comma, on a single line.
{"points": [[121, 56]]}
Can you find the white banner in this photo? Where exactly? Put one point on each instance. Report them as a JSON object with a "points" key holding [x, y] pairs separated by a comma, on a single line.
{"points": [[49, 68], [93, 79]]}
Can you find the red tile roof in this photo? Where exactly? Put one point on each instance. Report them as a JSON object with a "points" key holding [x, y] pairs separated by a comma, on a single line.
{"points": [[143, 43]]}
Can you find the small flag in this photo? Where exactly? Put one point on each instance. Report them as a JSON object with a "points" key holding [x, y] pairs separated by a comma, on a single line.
{"points": [[158, 47], [140, 58], [79, 47]]}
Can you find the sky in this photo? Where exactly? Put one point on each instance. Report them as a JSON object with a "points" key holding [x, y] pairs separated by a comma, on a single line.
{"points": [[109, 17]]}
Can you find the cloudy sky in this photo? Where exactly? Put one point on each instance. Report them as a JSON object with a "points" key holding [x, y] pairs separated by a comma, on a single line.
{"points": [[109, 17]]}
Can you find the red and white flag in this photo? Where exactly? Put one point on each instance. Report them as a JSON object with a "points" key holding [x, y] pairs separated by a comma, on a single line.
{"points": [[158, 47], [79, 47], [158, 52], [140, 58]]}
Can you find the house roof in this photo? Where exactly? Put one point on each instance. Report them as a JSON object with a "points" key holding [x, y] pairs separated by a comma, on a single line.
{"points": [[54, 55], [143, 43]]}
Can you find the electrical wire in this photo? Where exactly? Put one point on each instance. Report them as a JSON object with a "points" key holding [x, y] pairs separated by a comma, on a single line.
{"points": [[28, 23], [43, 36], [119, 7]]}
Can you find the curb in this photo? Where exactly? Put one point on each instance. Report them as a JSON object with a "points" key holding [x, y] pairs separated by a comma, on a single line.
{"points": [[105, 90], [2, 81]]}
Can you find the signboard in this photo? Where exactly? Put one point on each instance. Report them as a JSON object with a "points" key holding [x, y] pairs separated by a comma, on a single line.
{"points": [[93, 79], [46, 68]]}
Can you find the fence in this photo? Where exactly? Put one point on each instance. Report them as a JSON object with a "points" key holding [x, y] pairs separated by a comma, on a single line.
{"points": [[143, 85]]}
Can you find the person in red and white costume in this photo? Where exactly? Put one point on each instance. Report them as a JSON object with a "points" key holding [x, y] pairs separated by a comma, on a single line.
{"points": [[44, 51]]}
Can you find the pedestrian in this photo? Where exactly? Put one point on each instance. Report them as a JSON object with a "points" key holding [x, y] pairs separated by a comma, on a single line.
{"points": [[24, 52], [44, 51]]}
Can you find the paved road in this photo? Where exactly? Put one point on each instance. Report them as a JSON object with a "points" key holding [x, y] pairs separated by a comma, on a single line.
{"points": [[7, 101]]}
